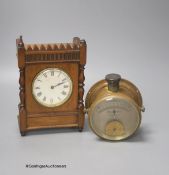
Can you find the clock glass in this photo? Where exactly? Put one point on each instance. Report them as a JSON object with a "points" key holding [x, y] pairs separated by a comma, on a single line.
{"points": [[52, 87], [114, 118]]}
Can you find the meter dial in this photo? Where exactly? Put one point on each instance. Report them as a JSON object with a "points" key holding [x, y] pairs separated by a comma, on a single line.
{"points": [[114, 118]]}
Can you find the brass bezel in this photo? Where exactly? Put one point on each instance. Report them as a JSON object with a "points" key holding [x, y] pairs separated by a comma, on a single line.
{"points": [[98, 86], [58, 104], [106, 137]]}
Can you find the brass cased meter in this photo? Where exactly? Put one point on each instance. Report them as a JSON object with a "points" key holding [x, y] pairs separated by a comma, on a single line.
{"points": [[114, 108]]}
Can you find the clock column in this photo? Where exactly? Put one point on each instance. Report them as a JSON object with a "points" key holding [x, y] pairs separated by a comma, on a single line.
{"points": [[21, 65], [81, 83]]}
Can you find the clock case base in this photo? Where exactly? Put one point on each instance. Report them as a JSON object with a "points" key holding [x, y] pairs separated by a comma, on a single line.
{"points": [[74, 52], [39, 123]]}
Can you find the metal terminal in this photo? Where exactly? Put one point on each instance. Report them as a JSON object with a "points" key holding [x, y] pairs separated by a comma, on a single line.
{"points": [[143, 109], [113, 82], [86, 110]]}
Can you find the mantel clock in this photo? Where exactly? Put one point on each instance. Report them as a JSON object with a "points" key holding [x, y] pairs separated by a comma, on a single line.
{"points": [[51, 85]]}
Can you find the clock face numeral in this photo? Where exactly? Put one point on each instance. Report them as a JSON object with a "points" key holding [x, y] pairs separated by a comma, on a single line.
{"points": [[52, 87], [45, 75], [51, 100], [44, 98], [39, 94], [52, 73], [63, 93], [65, 86], [59, 74], [64, 79]]}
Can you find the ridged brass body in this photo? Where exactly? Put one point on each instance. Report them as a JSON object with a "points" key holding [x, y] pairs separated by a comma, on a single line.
{"points": [[114, 115]]}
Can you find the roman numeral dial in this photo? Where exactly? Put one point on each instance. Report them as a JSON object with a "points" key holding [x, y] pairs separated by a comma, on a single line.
{"points": [[52, 87]]}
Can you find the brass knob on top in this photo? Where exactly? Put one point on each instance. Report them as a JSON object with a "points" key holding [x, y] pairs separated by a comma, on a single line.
{"points": [[113, 82]]}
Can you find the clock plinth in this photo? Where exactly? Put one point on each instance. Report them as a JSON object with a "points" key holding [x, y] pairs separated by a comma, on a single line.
{"points": [[33, 59]]}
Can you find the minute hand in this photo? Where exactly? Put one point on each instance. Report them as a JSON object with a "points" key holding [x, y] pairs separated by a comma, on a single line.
{"points": [[57, 85]]}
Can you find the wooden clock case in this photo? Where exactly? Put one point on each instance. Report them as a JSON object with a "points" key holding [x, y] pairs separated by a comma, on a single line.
{"points": [[33, 58]]}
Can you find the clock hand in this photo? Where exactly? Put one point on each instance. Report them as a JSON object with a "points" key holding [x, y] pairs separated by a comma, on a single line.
{"points": [[52, 87]]}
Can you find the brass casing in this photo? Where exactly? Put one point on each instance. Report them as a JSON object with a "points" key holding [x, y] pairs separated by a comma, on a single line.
{"points": [[100, 92]]}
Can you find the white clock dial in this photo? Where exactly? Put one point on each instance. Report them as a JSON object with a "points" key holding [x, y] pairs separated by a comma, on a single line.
{"points": [[52, 87]]}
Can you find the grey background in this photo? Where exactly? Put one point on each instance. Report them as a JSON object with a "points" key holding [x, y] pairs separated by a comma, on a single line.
{"points": [[129, 37]]}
